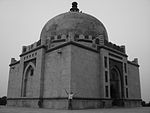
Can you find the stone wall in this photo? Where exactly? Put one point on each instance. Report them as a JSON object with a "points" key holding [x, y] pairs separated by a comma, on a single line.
{"points": [[85, 74], [57, 72], [24, 102], [134, 82], [14, 82], [17, 74]]}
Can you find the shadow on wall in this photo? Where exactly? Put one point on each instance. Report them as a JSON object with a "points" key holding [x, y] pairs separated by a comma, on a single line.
{"points": [[3, 100]]}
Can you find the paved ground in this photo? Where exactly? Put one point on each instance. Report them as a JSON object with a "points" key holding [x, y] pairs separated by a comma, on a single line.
{"points": [[109, 110]]}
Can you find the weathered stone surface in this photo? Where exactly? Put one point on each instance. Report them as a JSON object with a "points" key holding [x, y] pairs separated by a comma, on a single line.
{"points": [[76, 22]]}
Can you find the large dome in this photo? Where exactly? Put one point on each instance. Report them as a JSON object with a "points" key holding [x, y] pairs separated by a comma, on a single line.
{"points": [[75, 22]]}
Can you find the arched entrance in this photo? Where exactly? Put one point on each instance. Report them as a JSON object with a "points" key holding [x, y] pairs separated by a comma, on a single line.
{"points": [[115, 86], [28, 81]]}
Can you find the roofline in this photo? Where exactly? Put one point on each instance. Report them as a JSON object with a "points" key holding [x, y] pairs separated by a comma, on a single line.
{"points": [[130, 62]]}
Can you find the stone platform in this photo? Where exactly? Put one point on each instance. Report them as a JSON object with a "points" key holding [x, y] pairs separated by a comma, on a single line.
{"points": [[4, 109]]}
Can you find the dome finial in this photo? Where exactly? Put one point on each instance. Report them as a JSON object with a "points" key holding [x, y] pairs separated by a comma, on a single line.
{"points": [[74, 7]]}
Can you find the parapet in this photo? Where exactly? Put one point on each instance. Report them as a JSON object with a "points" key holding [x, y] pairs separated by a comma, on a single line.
{"points": [[84, 40], [13, 61], [31, 47], [135, 60], [114, 46]]}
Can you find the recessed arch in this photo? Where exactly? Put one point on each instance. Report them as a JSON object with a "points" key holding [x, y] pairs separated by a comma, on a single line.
{"points": [[27, 88], [115, 85]]}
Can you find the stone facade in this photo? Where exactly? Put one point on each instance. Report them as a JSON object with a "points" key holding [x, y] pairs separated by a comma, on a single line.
{"points": [[68, 58]]}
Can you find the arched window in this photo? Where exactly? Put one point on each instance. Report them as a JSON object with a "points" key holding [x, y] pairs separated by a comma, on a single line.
{"points": [[97, 41], [31, 72], [58, 37], [86, 37], [76, 37]]}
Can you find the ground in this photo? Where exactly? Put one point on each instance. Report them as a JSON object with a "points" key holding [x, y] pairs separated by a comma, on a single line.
{"points": [[4, 109]]}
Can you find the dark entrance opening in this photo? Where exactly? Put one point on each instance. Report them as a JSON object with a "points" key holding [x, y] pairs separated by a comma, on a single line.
{"points": [[115, 87]]}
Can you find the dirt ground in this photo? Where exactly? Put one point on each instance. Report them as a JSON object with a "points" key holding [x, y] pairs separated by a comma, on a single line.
{"points": [[4, 109]]}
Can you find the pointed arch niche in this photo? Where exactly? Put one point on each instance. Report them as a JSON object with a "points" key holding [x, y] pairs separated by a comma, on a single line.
{"points": [[28, 77], [115, 83]]}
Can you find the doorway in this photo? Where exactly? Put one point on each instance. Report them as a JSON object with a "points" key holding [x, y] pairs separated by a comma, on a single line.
{"points": [[115, 87]]}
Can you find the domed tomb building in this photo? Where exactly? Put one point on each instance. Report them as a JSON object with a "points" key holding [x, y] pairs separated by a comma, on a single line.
{"points": [[74, 55]]}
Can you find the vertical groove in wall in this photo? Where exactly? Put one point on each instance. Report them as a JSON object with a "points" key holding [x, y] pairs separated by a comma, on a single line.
{"points": [[70, 81], [42, 73]]}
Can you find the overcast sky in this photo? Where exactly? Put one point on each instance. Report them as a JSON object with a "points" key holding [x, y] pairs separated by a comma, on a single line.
{"points": [[127, 23]]}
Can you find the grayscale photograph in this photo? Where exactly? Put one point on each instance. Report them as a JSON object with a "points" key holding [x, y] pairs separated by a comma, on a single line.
{"points": [[83, 56]]}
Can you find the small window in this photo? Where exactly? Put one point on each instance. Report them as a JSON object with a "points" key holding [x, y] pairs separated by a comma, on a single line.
{"points": [[58, 37], [97, 41], [106, 76], [126, 80], [125, 67], [127, 92], [67, 35], [106, 91], [52, 38], [31, 72], [32, 46], [76, 37], [24, 49], [105, 62], [93, 38], [86, 37]]}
